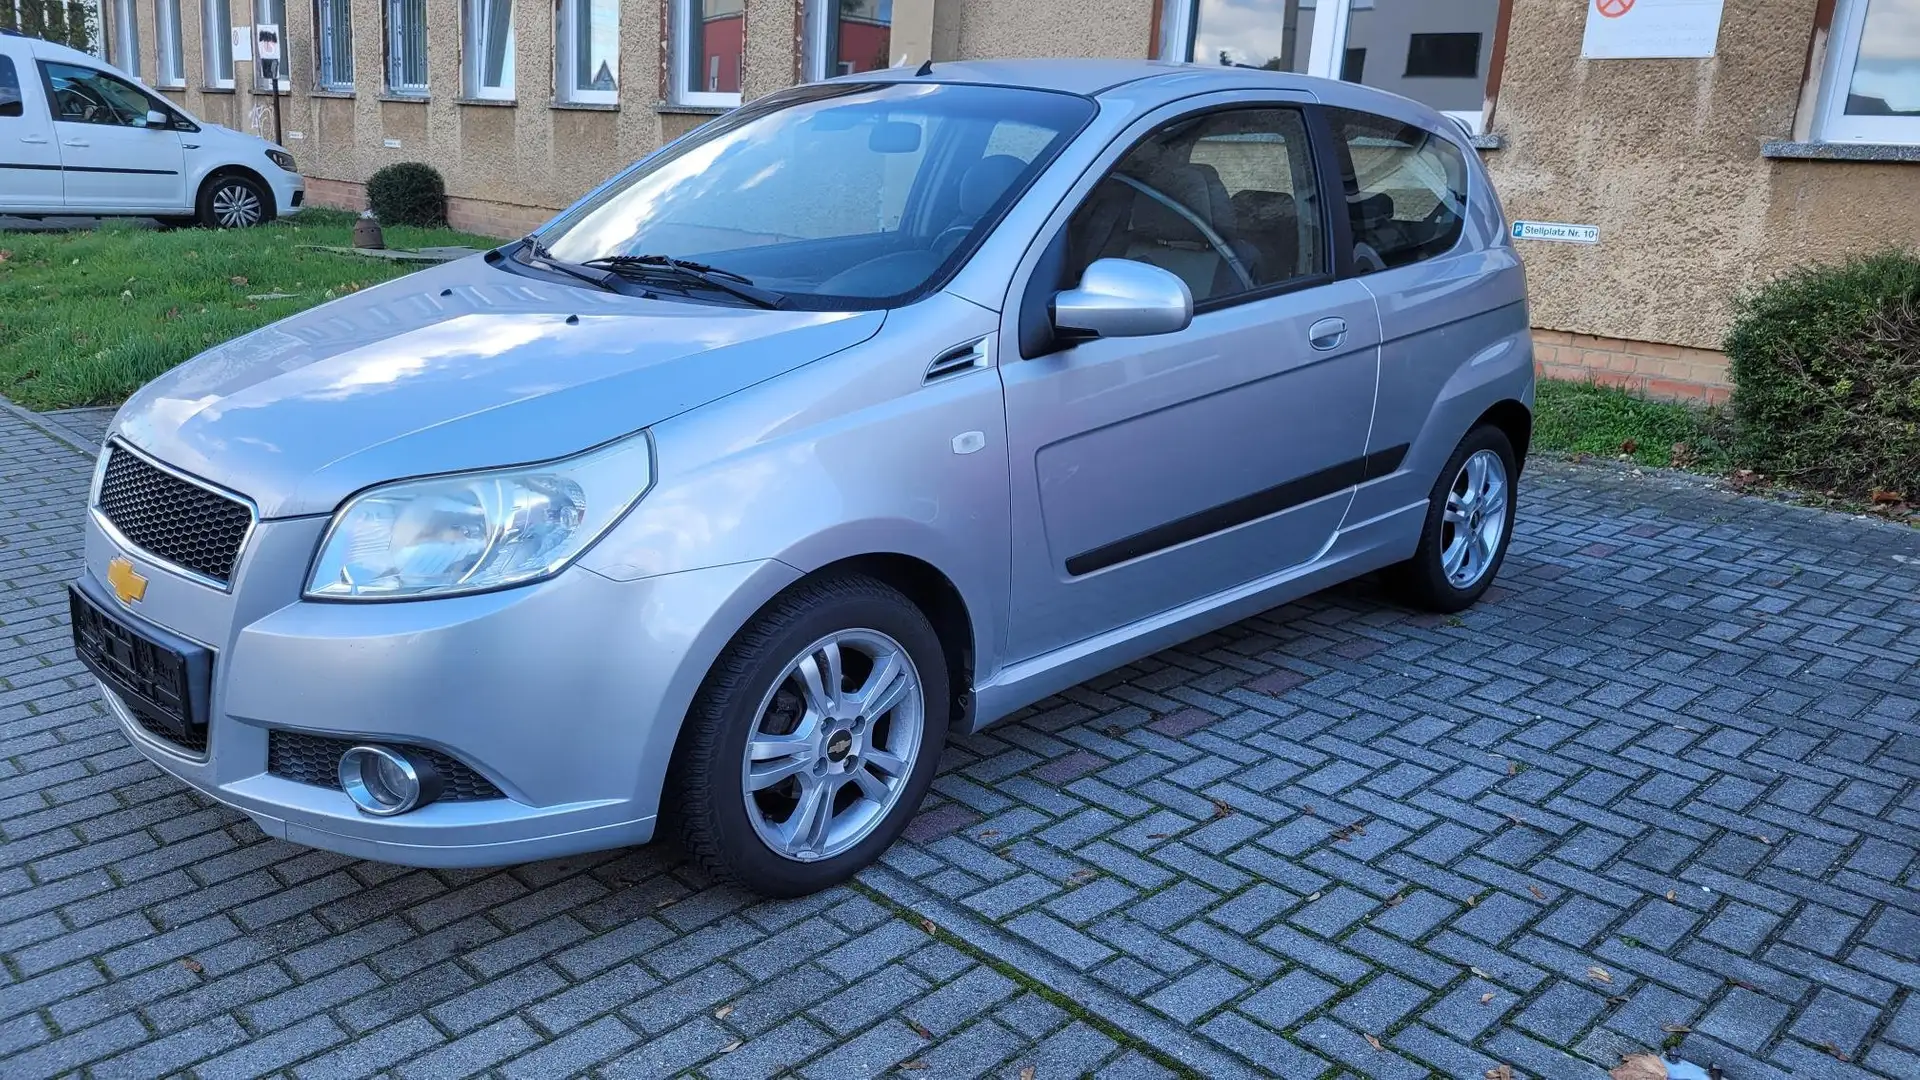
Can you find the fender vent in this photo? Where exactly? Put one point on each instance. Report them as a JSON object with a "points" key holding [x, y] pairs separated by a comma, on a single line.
{"points": [[961, 359]]}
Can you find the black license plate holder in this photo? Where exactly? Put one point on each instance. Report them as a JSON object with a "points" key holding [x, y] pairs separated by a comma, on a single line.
{"points": [[163, 678]]}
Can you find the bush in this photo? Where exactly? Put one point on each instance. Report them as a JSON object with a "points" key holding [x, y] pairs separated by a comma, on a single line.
{"points": [[1826, 373], [408, 193]]}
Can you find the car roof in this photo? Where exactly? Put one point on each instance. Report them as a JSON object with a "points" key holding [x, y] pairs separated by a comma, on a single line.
{"points": [[43, 49], [1086, 76]]}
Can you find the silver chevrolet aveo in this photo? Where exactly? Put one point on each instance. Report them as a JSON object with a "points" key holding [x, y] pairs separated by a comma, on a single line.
{"points": [[851, 422]]}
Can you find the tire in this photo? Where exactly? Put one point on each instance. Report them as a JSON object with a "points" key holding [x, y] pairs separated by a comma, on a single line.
{"points": [[1433, 580], [759, 687], [233, 201]]}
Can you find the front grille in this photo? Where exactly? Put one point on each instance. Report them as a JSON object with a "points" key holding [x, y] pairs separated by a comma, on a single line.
{"points": [[166, 516], [315, 759], [193, 740]]}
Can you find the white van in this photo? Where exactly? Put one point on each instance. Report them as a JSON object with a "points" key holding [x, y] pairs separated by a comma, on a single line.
{"points": [[79, 136]]}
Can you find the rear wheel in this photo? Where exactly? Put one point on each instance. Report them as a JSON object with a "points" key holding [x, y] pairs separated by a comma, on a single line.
{"points": [[232, 201], [1468, 526], [813, 740]]}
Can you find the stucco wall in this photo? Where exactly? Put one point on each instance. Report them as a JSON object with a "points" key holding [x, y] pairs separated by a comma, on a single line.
{"points": [[977, 29], [1664, 156]]}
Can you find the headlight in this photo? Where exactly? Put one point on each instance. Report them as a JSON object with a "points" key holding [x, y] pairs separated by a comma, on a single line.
{"points": [[282, 159], [444, 535]]}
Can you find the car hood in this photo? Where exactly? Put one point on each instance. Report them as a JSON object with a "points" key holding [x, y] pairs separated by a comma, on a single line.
{"points": [[458, 367]]}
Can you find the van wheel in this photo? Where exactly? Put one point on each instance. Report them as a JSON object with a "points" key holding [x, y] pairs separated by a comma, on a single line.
{"points": [[232, 201], [1469, 525], [813, 739]]}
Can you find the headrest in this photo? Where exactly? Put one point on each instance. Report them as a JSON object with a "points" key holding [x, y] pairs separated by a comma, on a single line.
{"points": [[987, 180], [1266, 211], [1188, 185]]}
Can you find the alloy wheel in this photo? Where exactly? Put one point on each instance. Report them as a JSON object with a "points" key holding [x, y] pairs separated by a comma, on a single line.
{"points": [[236, 206], [1475, 519], [833, 745]]}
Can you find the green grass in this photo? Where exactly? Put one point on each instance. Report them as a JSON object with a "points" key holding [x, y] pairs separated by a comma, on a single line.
{"points": [[86, 318], [1582, 418]]}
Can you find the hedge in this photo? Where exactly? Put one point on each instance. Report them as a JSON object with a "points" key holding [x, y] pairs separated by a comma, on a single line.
{"points": [[408, 193]]}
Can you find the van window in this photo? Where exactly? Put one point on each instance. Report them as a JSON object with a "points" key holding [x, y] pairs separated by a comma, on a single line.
{"points": [[82, 95], [9, 88], [1406, 190]]}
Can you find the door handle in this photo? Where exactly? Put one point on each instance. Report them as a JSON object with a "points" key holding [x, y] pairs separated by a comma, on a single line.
{"points": [[36, 139], [1327, 334], [77, 142]]}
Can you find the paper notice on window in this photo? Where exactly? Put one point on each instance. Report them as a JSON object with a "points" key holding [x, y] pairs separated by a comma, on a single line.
{"points": [[1646, 29], [242, 42]]}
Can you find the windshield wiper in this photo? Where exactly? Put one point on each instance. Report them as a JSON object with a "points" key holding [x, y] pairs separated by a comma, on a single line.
{"points": [[712, 277], [537, 253]]}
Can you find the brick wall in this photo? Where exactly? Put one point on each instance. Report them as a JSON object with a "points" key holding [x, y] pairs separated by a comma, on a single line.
{"points": [[1661, 371], [481, 216]]}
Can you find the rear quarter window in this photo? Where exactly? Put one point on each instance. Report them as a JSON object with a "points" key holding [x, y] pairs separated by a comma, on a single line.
{"points": [[1406, 190], [9, 88]]}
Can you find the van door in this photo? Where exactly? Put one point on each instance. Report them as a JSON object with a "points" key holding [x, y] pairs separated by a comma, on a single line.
{"points": [[29, 160], [113, 161]]}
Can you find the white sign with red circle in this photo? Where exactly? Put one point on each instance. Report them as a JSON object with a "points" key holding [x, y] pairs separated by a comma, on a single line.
{"points": [[1643, 29]]}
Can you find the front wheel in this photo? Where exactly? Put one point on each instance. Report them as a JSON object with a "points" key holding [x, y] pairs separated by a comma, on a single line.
{"points": [[1468, 526], [234, 202], [813, 740]]}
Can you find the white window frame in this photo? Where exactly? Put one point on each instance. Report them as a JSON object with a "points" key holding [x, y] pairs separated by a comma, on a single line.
{"points": [[171, 65], [326, 38], [263, 14], [681, 48], [566, 57], [1831, 123], [474, 26], [125, 51], [1325, 52], [212, 28], [395, 38]]}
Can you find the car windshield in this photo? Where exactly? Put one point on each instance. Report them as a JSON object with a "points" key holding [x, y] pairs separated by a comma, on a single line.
{"points": [[835, 196]]}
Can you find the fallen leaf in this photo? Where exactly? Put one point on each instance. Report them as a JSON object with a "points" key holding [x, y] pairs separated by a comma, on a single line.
{"points": [[1221, 809], [916, 1065], [1113, 731], [1640, 1067], [1599, 974], [1026, 1073], [989, 834], [237, 280], [732, 1046], [1482, 972], [920, 1030], [1486, 998], [1516, 819], [1499, 1072], [723, 1011], [927, 925], [192, 965], [1085, 873], [1513, 768], [1158, 835], [1681, 456], [5, 254], [1669, 895], [1473, 900], [1307, 810], [1762, 838], [1882, 496], [1537, 894], [1628, 446], [1838, 1055], [1396, 900], [1375, 1043], [1675, 1029], [665, 902]]}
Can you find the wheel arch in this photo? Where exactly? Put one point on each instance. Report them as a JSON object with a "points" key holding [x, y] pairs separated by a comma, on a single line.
{"points": [[1515, 421], [939, 599], [245, 172]]}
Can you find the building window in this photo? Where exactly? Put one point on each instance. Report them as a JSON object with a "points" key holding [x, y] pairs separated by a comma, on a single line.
{"points": [[1442, 56], [1331, 39], [216, 36], [166, 22], [588, 36], [407, 47], [848, 36], [488, 57], [126, 38], [1871, 89], [333, 38], [709, 39], [270, 13]]}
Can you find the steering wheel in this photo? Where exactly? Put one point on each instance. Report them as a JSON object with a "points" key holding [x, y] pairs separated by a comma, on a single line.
{"points": [[1207, 232]]}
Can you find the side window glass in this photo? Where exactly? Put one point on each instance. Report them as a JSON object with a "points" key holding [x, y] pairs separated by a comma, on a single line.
{"points": [[85, 96], [1225, 200], [9, 88], [1405, 187]]}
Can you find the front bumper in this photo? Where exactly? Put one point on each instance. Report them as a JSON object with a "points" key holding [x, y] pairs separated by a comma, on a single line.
{"points": [[289, 191], [566, 694]]}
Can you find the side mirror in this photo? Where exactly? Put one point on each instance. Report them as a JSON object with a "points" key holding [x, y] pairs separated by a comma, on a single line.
{"points": [[158, 119], [1123, 298]]}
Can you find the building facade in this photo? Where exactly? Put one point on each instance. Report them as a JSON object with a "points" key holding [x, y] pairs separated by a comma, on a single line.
{"points": [[1696, 147]]}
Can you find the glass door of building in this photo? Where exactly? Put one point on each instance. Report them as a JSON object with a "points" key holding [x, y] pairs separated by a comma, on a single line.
{"points": [[1435, 51]]}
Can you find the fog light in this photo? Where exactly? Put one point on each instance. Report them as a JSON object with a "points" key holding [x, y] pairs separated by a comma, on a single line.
{"points": [[383, 781]]}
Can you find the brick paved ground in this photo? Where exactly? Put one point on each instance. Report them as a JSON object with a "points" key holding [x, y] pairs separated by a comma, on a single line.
{"points": [[1669, 774]]}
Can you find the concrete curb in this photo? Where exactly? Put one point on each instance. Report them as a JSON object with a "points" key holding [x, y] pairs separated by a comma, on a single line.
{"points": [[49, 427]]}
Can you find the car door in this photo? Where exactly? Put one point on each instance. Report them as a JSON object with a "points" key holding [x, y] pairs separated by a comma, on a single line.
{"points": [[29, 160], [1149, 472], [112, 160]]}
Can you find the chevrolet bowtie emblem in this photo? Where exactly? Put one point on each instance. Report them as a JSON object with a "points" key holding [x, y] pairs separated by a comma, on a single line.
{"points": [[127, 583]]}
